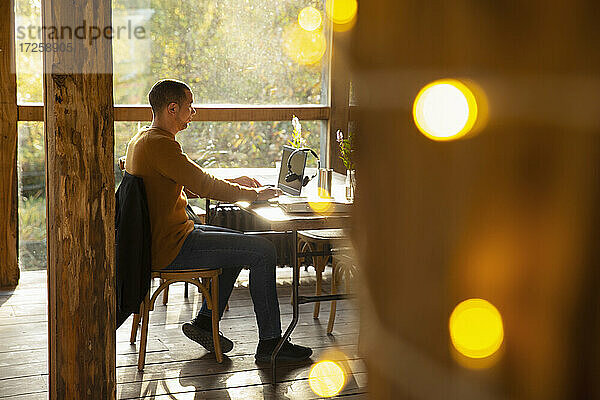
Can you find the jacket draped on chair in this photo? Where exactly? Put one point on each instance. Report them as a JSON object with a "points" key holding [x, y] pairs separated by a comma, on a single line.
{"points": [[132, 246]]}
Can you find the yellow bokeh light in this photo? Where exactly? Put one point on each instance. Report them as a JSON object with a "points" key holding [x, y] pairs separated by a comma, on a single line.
{"points": [[344, 27], [302, 46], [309, 19], [323, 193], [341, 11], [445, 110], [321, 207], [476, 328], [326, 378]]}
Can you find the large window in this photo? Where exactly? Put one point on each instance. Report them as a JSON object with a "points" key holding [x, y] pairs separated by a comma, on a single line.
{"points": [[228, 51], [235, 52]]}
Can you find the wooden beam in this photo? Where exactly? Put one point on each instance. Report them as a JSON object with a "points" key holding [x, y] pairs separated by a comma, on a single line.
{"points": [[79, 122], [339, 92], [30, 112], [231, 112], [9, 267], [234, 112]]}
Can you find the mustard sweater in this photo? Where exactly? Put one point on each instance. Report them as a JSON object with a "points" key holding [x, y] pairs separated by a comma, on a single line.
{"points": [[155, 156]]}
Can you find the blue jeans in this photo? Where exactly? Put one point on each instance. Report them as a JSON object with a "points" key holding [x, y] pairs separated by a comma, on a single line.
{"points": [[216, 247]]}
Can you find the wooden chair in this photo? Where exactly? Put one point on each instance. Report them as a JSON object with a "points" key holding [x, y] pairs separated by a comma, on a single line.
{"points": [[322, 240], [165, 298], [210, 277], [185, 292], [343, 268]]}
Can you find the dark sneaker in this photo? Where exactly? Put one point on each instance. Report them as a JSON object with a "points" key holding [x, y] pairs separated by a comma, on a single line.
{"points": [[288, 353], [204, 337]]}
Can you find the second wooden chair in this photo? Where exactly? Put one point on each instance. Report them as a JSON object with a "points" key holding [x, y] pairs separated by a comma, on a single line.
{"points": [[322, 240]]}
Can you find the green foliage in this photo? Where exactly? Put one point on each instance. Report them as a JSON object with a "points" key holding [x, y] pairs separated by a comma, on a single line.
{"points": [[32, 218], [29, 64], [228, 51], [346, 148], [31, 159], [228, 144]]}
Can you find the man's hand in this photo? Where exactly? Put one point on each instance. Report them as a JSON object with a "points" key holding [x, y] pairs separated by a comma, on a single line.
{"points": [[245, 181], [266, 193]]}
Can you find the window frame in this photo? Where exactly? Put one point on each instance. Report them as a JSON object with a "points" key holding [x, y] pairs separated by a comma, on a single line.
{"points": [[209, 113]]}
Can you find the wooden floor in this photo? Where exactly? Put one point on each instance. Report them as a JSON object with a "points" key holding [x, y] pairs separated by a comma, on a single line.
{"points": [[177, 368]]}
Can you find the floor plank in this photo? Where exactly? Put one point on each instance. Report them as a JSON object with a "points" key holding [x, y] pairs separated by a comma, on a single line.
{"points": [[25, 385]]}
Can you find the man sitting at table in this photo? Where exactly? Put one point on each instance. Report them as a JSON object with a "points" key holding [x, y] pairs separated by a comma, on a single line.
{"points": [[155, 156]]}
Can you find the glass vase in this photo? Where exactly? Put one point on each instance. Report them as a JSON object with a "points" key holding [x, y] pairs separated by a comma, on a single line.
{"points": [[350, 184]]}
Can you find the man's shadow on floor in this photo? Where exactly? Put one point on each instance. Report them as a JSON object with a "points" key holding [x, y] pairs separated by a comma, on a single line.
{"points": [[286, 377], [194, 373]]}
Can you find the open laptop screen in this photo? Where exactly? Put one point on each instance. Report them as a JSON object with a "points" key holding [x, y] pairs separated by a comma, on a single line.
{"points": [[298, 164]]}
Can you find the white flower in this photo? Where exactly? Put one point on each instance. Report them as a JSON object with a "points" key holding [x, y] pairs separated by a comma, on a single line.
{"points": [[296, 125]]}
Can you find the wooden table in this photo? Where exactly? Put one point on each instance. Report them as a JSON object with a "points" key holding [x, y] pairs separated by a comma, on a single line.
{"points": [[289, 224]]}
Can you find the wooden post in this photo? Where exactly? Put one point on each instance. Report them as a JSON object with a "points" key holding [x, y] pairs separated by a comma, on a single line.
{"points": [[9, 267], [80, 204], [339, 84]]}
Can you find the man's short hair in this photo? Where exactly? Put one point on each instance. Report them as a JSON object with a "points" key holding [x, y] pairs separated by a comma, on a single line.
{"points": [[166, 92]]}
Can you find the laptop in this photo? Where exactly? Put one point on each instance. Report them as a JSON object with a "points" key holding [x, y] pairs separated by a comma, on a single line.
{"points": [[291, 201]]}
